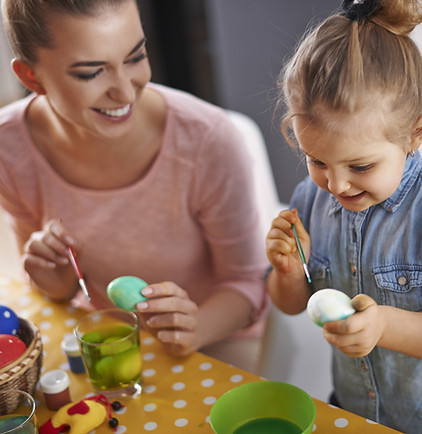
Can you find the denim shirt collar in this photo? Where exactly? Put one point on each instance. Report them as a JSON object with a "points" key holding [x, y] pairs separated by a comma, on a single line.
{"points": [[412, 170]]}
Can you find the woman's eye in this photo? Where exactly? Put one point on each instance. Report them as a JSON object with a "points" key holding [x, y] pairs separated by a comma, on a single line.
{"points": [[363, 168], [87, 77], [138, 58]]}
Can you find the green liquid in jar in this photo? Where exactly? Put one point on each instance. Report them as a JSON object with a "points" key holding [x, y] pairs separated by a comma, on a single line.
{"points": [[12, 421], [112, 362]]}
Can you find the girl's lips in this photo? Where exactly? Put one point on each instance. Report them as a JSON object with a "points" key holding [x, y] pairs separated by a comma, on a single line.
{"points": [[354, 198]]}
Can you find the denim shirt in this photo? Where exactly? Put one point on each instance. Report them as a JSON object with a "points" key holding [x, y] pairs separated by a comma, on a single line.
{"points": [[377, 252]]}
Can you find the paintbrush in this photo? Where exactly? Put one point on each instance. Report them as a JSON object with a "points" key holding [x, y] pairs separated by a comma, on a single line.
{"points": [[78, 272], [302, 255]]}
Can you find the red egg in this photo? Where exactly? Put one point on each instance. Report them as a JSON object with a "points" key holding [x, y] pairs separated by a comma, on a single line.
{"points": [[11, 348]]}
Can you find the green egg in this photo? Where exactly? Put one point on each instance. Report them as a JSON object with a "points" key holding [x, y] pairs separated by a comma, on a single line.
{"points": [[125, 292], [105, 367], [127, 365], [111, 346], [93, 337]]}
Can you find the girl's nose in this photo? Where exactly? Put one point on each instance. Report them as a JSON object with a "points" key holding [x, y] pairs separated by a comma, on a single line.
{"points": [[337, 183]]}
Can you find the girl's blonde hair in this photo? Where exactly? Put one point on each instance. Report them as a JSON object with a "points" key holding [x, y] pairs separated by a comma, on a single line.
{"points": [[347, 65]]}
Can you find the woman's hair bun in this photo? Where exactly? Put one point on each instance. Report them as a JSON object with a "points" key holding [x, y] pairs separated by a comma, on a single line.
{"points": [[356, 10]]}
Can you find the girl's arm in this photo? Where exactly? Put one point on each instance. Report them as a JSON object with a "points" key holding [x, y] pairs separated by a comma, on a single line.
{"points": [[374, 325], [286, 283]]}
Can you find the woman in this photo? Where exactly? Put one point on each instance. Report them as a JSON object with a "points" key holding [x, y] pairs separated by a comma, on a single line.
{"points": [[140, 179]]}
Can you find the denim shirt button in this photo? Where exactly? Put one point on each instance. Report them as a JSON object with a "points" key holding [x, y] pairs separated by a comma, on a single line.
{"points": [[363, 366], [353, 268], [402, 280], [371, 394]]}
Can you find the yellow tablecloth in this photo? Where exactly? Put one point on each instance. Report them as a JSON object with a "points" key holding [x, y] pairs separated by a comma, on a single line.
{"points": [[178, 393]]}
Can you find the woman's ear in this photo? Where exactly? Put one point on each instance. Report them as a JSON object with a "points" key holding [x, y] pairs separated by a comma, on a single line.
{"points": [[27, 76]]}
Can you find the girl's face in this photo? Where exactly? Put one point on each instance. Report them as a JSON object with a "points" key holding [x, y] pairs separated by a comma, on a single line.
{"points": [[357, 168], [95, 74]]}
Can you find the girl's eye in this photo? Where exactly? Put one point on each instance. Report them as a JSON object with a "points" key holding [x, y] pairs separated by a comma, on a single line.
{"points": [[363, 168], [316, 162], [87, 77]]}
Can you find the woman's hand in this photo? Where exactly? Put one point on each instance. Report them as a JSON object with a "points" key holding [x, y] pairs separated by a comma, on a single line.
{"points": [[281, 245], [45, 259], [47, 248], [171, 316], [357, 335]]}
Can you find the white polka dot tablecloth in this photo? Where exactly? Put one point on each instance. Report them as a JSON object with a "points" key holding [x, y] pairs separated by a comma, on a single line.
{"points": [[178, 393]]}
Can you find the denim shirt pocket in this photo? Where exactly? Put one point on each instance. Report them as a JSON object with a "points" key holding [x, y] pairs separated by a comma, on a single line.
{"points": [[400, 285], [319, 269]]}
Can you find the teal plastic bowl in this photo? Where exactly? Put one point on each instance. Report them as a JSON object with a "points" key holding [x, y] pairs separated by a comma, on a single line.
{"points": [[263, 407]]}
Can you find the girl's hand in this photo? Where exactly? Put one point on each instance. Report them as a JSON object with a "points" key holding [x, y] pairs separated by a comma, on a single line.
{"points": [[357, 335], [171, 316], [47, 248], [281, 245]]}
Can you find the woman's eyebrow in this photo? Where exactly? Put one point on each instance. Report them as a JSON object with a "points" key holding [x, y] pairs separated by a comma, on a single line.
{"points": [[96, 63]]}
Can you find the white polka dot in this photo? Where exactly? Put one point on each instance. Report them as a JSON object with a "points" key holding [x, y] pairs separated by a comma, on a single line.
{"points": [[150, 407], [209, 400], [24, 301], [65, 366], [70, 322], [177, 368], [314, 428], [6, 314], [207, 382], [122, 410], [150, 426], [148, 341], [178, 386], [45, 339], [148, 356], [149, 372], [341, 422], [207, 419], [150, 389], [181, 422], [236, 378], [45, 325], [4, 292], [205, 366], [180, 403], [47, 311], [120, 429], [371, 422]]}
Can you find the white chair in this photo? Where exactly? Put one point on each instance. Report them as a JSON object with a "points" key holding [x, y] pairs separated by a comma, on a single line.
{"points": [[293, 349]]}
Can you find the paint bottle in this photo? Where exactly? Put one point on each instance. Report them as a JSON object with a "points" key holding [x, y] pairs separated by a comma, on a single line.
{"points": [[55, 386], [71, 348]]}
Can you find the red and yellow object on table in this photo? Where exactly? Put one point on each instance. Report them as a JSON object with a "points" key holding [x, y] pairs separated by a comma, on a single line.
{"points": [[178, 393]]}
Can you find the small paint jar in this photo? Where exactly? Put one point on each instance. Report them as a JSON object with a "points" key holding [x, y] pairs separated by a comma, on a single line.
{"points": [[55, 386], [71, 348]]}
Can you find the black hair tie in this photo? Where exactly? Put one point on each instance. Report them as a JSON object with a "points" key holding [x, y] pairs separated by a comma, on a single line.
{"points": [[355, 10]]}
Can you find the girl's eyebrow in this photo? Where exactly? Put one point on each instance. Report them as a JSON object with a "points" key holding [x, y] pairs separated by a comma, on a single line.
{"points": [[96, 63]]}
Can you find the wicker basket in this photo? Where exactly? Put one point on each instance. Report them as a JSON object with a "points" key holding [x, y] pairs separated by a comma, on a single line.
{"points": [[23, 373]]}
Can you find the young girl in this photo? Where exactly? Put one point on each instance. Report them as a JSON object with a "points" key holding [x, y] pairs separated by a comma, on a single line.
{"points": [[140, 179], [354, 103]]}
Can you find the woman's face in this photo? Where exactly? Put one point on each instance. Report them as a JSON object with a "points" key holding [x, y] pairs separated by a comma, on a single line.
{"points": [[355, 163], [95, 74]]}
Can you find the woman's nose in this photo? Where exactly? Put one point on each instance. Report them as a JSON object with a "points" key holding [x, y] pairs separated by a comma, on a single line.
{"points": [[122, 89]]}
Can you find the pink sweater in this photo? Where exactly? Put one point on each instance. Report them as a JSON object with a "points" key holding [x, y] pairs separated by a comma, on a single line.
{"points": [[192, 219]]}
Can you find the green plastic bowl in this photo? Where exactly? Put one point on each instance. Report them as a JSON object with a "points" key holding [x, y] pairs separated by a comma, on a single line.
{"points": [[263, 407]]}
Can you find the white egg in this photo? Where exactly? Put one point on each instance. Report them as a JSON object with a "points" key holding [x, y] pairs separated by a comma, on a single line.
{"points": [[329, 305]]}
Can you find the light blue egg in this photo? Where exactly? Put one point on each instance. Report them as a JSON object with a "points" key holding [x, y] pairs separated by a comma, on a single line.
{"points": [[125, 292], [9, 321], [329, 305]]}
